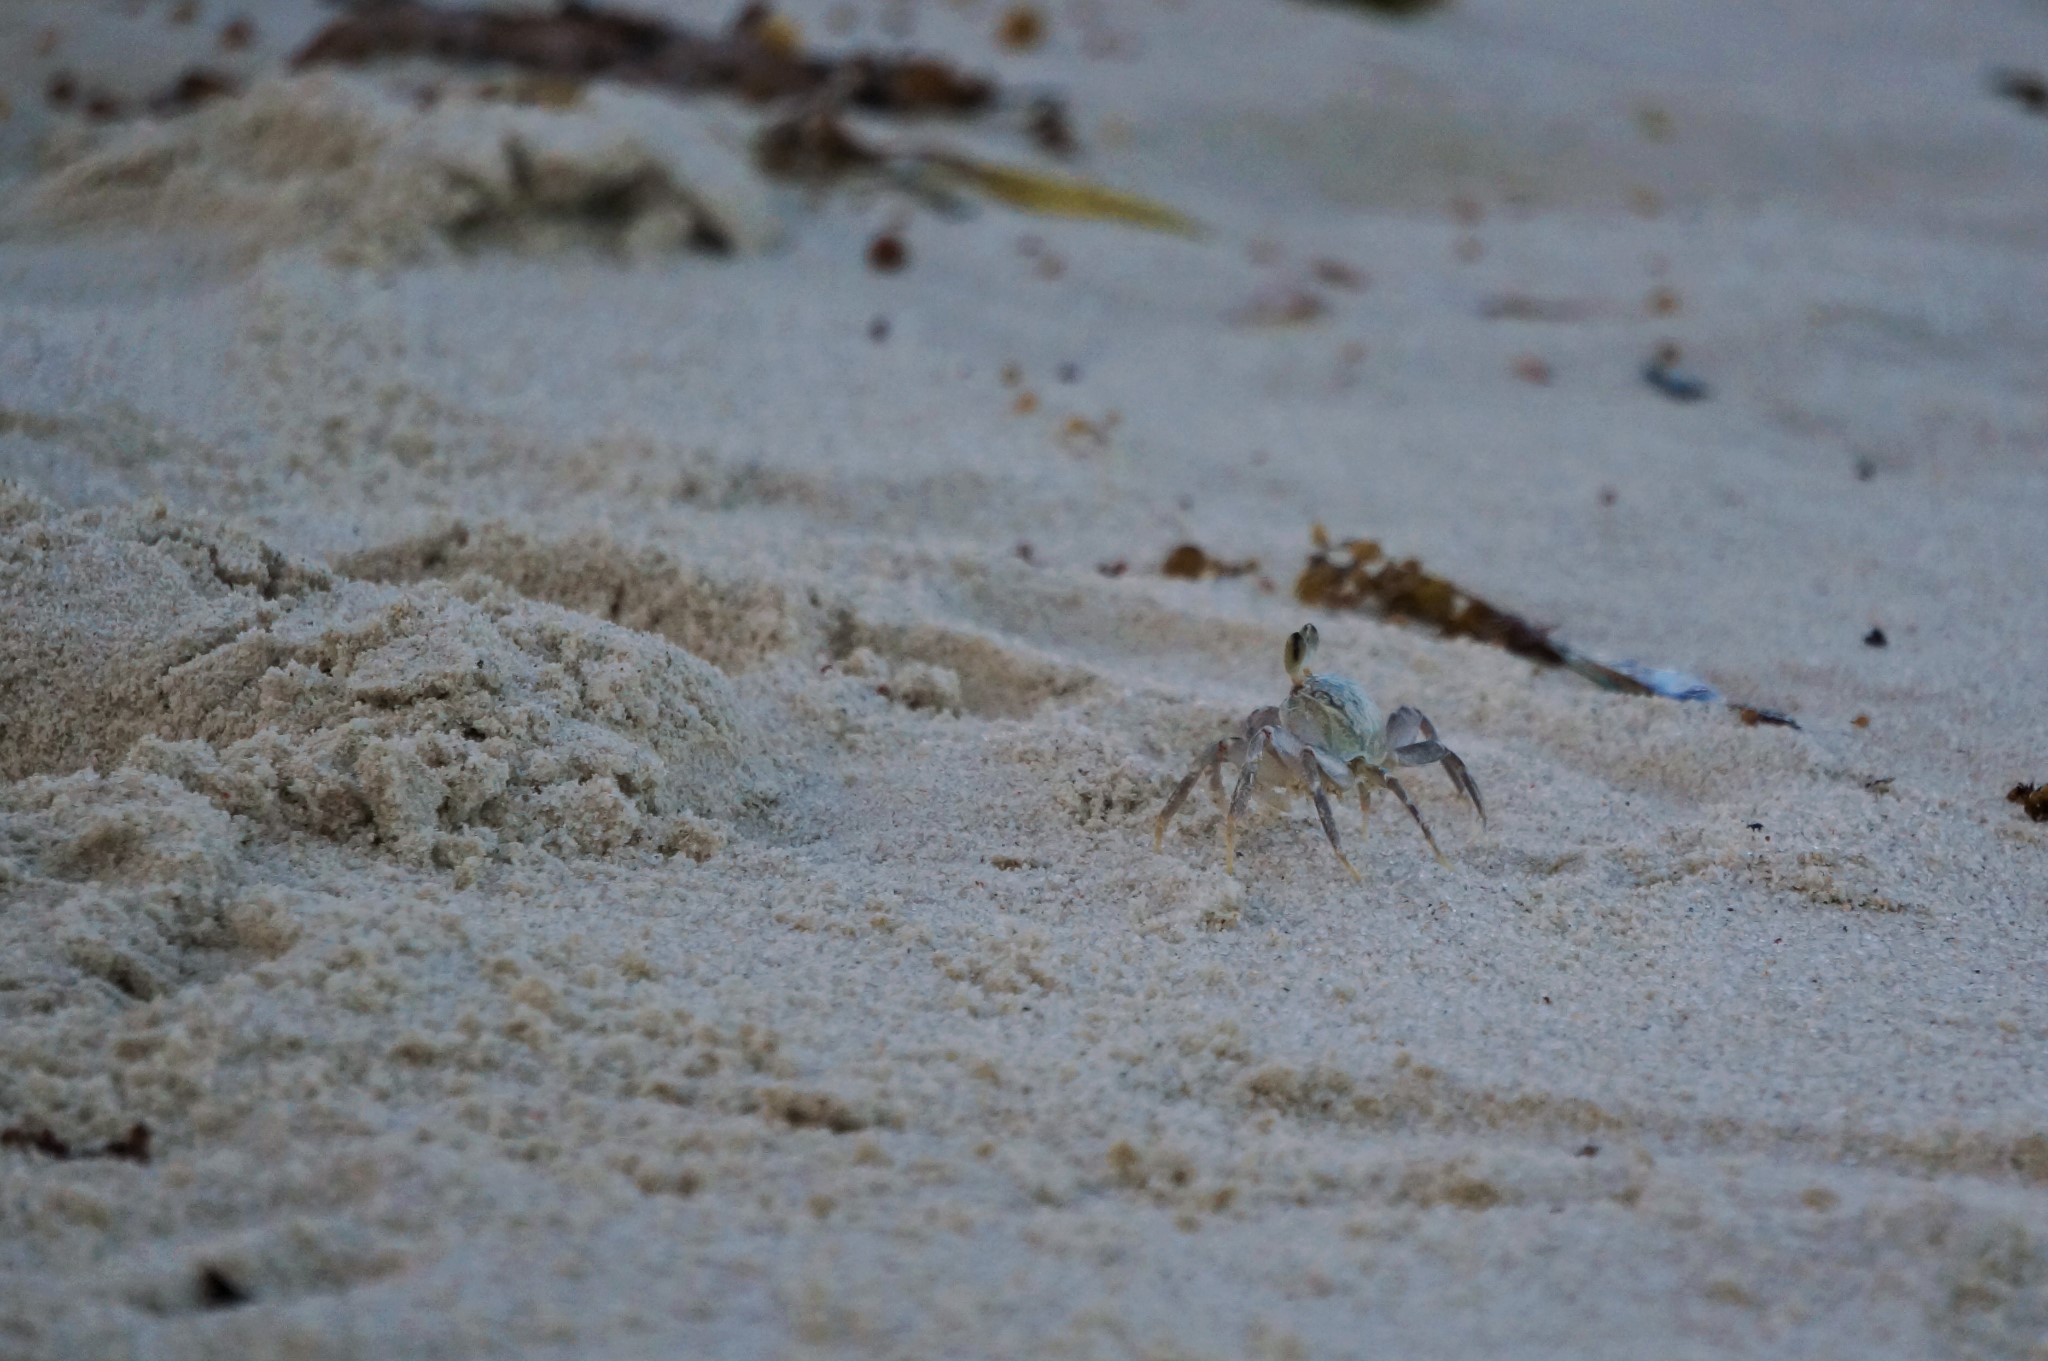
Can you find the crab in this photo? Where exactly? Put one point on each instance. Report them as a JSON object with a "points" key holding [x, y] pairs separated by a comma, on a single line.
{"points": [[1327, 734]]}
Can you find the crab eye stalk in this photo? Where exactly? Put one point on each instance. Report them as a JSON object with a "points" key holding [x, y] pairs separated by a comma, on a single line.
{"points": [[1301, 649]]}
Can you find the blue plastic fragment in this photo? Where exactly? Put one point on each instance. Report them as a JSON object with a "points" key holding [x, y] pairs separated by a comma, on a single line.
{"points": [[1670, 684], [1674, 383]]}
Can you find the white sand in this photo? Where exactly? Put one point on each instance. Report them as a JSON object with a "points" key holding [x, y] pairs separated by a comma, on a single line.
{"points": [[542, 775]]}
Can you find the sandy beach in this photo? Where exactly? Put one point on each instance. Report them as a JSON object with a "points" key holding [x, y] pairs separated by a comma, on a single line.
{"points": [[581, 723]]}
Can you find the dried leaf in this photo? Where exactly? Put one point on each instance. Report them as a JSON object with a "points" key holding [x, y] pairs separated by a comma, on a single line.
{"points": [[756, 58], [1358, 575], [1040, 191], [814, 145], [1190, 562]]}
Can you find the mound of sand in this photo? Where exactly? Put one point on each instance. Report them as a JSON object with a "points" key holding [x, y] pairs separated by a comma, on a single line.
{"points": [[377, 178], [447, 725], [125, 883], [732, 622]]}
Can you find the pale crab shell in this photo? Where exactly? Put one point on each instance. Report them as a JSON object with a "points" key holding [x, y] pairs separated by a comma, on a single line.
{"points": [[1326, 736], [1337, 718]]}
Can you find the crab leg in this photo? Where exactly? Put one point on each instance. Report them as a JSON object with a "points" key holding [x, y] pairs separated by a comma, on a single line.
{"points": [[1211, 765], [1404, 725], [1368, 772], [1246, 778], [1312, 772], [1401, 793], [1462, 778], [1429, 752]]}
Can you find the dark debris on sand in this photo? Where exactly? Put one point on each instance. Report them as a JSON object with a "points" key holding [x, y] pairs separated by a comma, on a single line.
{"points": [[1358, 575], [749, 59], [131, 1147]]}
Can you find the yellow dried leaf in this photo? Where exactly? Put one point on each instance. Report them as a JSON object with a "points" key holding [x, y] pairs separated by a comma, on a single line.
{"points": [[1038, 191]]}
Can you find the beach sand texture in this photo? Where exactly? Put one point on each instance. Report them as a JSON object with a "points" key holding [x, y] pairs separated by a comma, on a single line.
{"points": [[596, 798]]}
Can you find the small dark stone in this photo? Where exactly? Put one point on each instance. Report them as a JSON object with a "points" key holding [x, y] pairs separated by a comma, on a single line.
{"points": [[2025, 88], [887, 254], [194, 87], [1875, 638], [218, 1290], [40, 1140], [1048, 126], [131, 1147]]}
